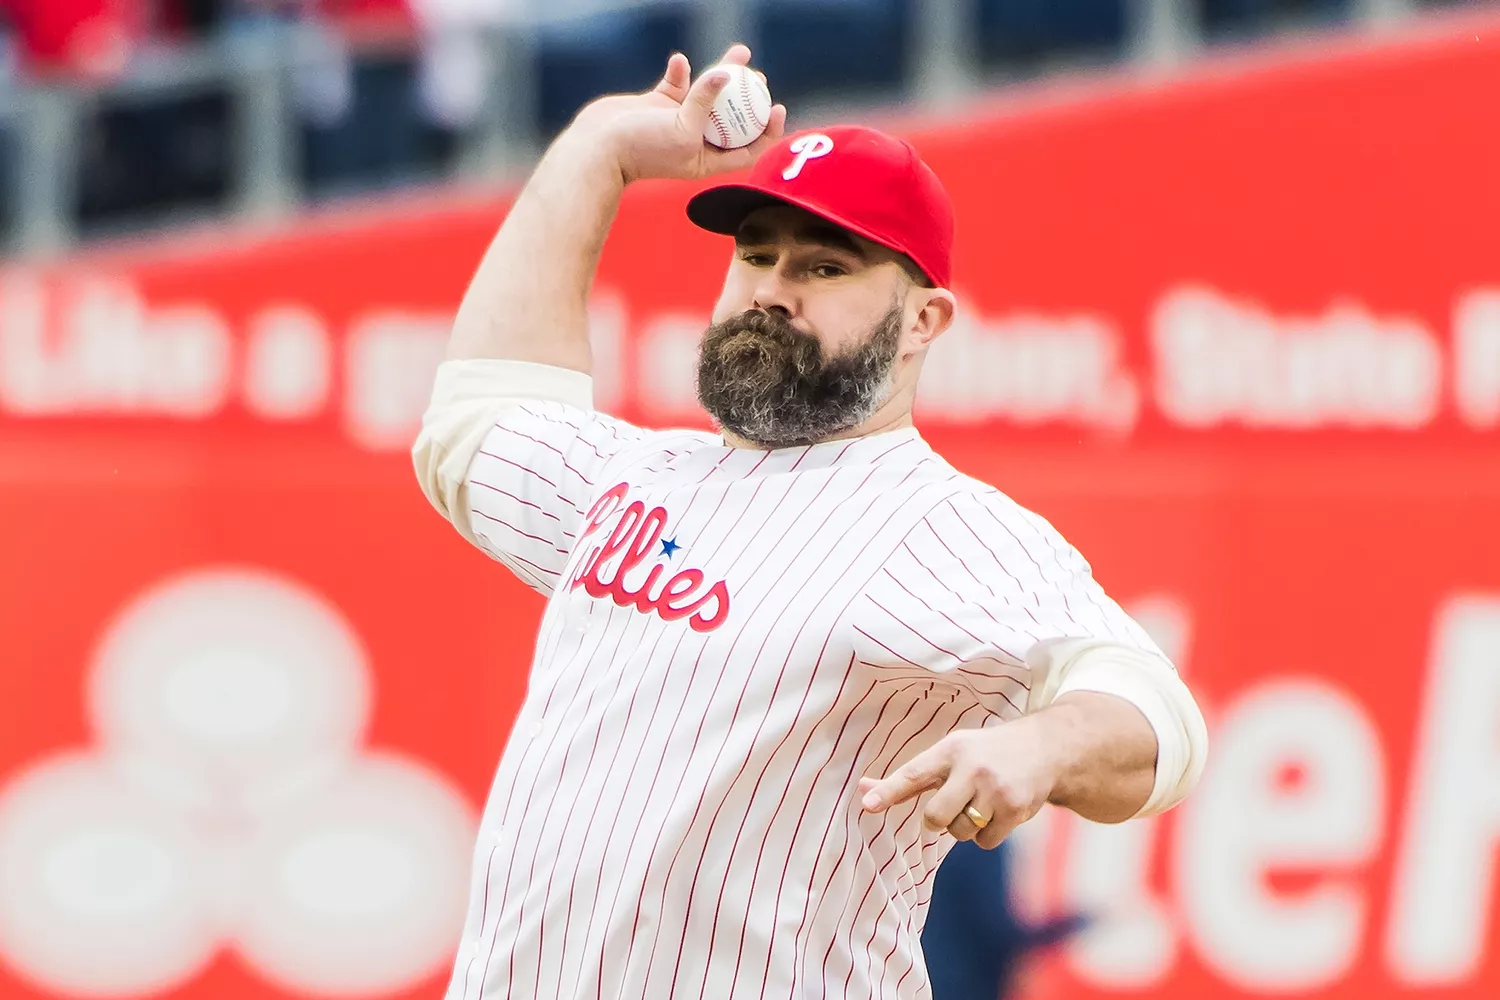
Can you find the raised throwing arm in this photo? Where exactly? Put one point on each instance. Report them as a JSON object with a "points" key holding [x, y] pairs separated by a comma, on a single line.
{"points": [[528, 299]]}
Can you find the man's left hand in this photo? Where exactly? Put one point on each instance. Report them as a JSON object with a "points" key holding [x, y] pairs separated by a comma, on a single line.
{"points": [[1005, 773]]}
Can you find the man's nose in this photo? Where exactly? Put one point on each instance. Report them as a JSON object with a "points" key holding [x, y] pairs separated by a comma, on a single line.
{"points": [[774, 294]]}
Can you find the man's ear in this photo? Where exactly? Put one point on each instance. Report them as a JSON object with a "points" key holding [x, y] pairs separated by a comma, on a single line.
{"points": [[935, 311]]}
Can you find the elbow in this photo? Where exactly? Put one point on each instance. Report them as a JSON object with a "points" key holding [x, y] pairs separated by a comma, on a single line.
{"points": [[1182, 747], [427, 463]]}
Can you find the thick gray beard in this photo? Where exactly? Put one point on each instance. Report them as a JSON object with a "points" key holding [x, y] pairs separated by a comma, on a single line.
{"points": [[768, 383]]}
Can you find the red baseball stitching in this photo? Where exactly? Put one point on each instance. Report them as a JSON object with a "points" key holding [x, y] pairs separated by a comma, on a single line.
{"points": [[718, 124], [750, 101]]}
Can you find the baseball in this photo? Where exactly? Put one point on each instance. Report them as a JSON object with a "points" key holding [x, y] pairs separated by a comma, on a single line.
{"points": [[742, 111]]}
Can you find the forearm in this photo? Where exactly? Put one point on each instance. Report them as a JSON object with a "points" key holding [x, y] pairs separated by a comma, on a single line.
{"points": [[1106, 755], [528, 300]]}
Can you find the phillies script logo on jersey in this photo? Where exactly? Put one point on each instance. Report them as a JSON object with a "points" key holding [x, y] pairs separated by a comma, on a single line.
{"points": [[637, 536]]}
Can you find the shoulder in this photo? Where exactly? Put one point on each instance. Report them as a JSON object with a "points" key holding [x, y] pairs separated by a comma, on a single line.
{"points": [[972, 499], [976, 512], [942, 499], [656, 450], [595, 425]]}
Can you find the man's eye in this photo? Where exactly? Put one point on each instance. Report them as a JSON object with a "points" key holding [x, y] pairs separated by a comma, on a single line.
{"points": [[756, 259], [829, 271]]}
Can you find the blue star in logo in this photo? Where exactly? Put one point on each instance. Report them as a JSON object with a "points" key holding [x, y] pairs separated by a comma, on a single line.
{"points": [[669, 546]]}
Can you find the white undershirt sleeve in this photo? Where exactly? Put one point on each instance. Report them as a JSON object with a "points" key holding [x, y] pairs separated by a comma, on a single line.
{"points": [[1148, 682], [469, 398]]}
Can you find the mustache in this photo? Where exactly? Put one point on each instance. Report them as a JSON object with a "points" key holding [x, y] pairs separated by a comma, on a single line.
{"points": [[771, 383], [766, 337]]}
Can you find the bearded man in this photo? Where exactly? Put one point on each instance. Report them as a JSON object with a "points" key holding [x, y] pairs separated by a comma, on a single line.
{"points": [[783, 667]]}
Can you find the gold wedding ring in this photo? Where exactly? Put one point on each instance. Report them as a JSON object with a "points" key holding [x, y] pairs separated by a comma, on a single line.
{"points": [[976, 817]]}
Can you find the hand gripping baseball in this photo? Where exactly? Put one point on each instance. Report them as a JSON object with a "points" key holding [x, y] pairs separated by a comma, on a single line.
{"points": [[659, 134]]}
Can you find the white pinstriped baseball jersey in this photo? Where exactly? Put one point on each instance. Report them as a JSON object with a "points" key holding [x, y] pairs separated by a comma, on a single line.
{"points": [[732, 639]]}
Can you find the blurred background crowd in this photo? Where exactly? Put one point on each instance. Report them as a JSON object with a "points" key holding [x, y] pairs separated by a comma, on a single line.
{"points": [[119, 114]]}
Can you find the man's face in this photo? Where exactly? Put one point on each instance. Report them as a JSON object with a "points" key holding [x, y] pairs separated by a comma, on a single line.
{"points": [[807, 332]]}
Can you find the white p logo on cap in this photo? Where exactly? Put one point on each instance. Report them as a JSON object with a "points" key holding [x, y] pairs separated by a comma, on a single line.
{"points": [[807, 147]]}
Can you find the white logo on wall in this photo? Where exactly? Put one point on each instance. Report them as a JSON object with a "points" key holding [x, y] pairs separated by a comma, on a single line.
{"points": [[228, 803]]}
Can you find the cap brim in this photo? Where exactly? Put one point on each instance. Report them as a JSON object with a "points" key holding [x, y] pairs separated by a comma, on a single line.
{"points": [[721, 209]]}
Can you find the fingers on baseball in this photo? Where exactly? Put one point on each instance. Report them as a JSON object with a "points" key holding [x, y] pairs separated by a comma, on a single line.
{"points": [[775, 128], [678, 78], [738, 53], [699, 103], [739, 159]]}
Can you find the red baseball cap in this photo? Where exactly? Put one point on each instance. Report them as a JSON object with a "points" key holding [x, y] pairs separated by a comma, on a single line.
{"points": [[860, 179]]}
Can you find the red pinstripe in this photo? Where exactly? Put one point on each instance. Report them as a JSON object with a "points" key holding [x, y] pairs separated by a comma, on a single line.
{"points": [[918, 665], [693, 822], [1041, 575], [781, 675], [512, 527], [656, 773], [523, 503], [938, 580], [797, 831], [548, 812], [655, 776], [591, 730], [885, 824], [552, 448], [540, 569], [492, 550], [837, 866], [735, 845], [510, 801], [483, 915], [874, 924], [1020, 660], [802, 923], [1066, 555], [916, 670], [549, 809], [760, 854], [895, 853], [957, 659], [517, 465]]}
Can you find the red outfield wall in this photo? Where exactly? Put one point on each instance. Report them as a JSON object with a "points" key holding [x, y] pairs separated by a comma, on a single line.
{"points": [[1238, 337]]}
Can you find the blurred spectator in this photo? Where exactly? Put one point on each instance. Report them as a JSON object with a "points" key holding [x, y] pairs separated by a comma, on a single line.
{"points": [[369, 23], [153, 158], [583, 53], [1236, 18], [454, 71], [372, 114], [847, 47], [1027, 32], [974, 940], [76, 38], [381, 92]]}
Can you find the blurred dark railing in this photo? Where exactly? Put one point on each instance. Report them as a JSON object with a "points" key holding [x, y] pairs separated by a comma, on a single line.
{"points": [[267, 114]]}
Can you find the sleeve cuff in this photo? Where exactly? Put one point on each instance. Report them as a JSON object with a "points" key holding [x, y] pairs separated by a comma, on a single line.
{"points": [[1149, 683], [469, 397], [491, 380]]}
